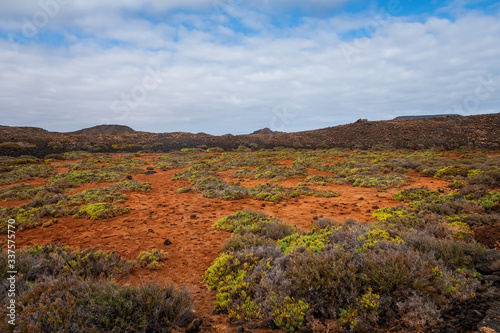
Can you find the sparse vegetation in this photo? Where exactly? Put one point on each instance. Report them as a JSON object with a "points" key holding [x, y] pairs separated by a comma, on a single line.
{"points": [[152, 259], [59, 289], [418, 260], [350, 272], [100, 211]]}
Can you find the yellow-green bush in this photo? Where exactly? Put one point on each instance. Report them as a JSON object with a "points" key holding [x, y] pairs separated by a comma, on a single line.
{"points": [[152, 259], [100, 211]]}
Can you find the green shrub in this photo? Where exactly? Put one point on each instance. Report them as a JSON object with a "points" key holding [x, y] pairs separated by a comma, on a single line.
{"points": [[11, 145], [315, 240], [244, 222], [55, 145], [111, 193], [100, 211], [152, 259], [289, 313], [36, 262], [414, 194], [70, 304], [352, 272], [490, 200], [384, 214], [26, 172]]}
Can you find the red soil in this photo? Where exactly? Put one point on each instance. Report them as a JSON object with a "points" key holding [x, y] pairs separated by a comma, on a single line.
{"points": [[187, 219]]}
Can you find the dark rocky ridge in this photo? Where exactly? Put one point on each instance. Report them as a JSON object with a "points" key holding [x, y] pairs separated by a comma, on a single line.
{"points": [[449, 132], [104, 129], [426, 116]]}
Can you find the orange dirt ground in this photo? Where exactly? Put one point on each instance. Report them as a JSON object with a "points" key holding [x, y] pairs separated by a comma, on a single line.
{"points": [[187, 219]]}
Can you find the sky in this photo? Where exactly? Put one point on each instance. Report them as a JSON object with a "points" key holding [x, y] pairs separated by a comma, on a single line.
{"points": [[235, 66]]}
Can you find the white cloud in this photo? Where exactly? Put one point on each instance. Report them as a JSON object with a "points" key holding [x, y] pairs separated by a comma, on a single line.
{"points": [[217, 80]]}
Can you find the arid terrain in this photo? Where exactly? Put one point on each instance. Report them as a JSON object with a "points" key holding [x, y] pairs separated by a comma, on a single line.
{"points": [[130, 203], [448, 132]]}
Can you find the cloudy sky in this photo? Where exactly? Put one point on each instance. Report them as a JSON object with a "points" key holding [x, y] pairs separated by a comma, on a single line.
{"points": [[234, 66]]}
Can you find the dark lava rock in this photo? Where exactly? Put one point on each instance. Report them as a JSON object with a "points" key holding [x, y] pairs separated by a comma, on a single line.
{"points": [[149, 168], [194, 327], [491, 322], [147, 173], [489, 263], [361, 198], [129, 177], [167, 242], [263, 131], [151, 230], [375, 207], [268, 324], [237, 322]]}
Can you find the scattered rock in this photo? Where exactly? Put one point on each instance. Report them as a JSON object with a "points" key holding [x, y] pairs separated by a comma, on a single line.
{"points": [[149, 168], [375, 207], [147, 173], [167, 242], [263, 205], [489, 263], [491, 322], [284, 205], [268, 324], [194, 327], [440, 190], [193, 216], [494, 278], [237, 322], [240, 330], [368, 211], [315, 218], [129, 177], [361, 198], [253, 326], [151, 230]]}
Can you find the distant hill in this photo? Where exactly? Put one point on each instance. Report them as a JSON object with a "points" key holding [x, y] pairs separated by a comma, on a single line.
{"points": [[264, 131], [426, 116], [105, 129], [449, 132]]}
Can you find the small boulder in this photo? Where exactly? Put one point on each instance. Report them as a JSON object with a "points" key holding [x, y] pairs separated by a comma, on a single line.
{"points": [[237, 322], [489, 263], [491, 322], [194, 327]]}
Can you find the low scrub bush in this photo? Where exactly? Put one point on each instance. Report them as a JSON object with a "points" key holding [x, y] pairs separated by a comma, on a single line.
{"points": [[26, 172], [100, 211], [414, 194], [87, 176], [64, 290], [152, 259], [352, 272]]}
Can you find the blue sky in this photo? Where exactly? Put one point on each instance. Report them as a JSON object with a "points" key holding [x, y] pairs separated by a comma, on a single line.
{"points": [[234, 66]]}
